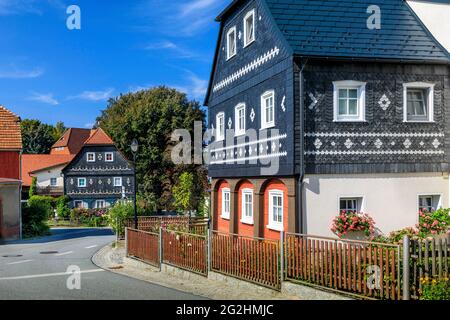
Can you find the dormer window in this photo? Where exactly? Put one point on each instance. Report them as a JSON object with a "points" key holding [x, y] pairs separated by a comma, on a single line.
{"points": [[249, 28], [231, 43], [109, 157], [220, 126], [349, 101], [418, 102], [90, 157], [239, 115]]}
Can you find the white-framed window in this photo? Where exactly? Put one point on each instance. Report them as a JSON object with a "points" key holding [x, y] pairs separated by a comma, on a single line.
{"points": [[53, 182], [100, 204], [268, 109], [239, 119], [79, 204], [247, 206], [231, 43], [276, 210], [249, 28], [351, 203], [226, 202], [220, 126], [429, 202], [81, 182], [117, 181], [418, 102], [109, 156], [349, 100], [90, 156]]}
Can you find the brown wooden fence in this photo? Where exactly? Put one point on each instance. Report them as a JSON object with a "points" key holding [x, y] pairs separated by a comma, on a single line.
{"points": [[197, 225], [251, 259], [185, 250], [363, 268], [143, 246], [429, 258]]}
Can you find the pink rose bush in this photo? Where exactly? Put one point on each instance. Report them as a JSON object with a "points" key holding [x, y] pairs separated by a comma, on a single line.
{"points": [[433, 223], [347, 222]]}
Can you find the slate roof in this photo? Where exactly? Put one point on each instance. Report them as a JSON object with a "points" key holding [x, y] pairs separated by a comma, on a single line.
{"points": [[73, 139], [10, 133], [338, 28]]}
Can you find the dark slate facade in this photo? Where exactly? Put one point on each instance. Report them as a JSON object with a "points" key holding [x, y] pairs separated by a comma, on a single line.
{"points": [[301, 48], [99, 177]]}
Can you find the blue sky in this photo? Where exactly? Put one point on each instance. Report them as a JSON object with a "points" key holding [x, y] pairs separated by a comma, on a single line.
{"points": [[51, 73]]}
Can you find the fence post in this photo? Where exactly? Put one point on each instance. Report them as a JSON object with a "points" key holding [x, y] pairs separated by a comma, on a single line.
{"points": [[126, 242], [406, 253], [208, 256], [160, 249], [282, 255]]}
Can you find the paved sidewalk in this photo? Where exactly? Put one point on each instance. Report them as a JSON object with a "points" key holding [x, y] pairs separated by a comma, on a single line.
{"points": [[114, 260]]}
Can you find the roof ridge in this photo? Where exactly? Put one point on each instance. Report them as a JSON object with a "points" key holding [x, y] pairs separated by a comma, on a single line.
{"points": [[10, 112]]}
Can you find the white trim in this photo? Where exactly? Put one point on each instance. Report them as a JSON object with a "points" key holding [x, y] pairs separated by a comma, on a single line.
{"points": [[265, 96], [117, 185], [104, 204], [263, 156], [369, 152], [244, 218], [56, 182], [239, 131], [350, 84], [84, 204], [224, 214], [245, 144], [250, 13], [87, 156], [106, 156], [220, 130], [275, 225], [78, 182], [230, 31], [430, 92], [373, 134]]}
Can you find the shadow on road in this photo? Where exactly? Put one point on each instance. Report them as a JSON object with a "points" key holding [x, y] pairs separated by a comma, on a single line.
{"points": [[59, 234]]}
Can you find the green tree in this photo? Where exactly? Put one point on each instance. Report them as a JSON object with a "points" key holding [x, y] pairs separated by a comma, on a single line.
{"points": [[37, 137], [33, 187], [151, 116], [58, 130], [183, 192]]}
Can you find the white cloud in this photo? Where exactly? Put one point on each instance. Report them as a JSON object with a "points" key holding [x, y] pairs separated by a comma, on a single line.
{"points": [[179, 51], [46, 98], [15, 7], [94, 95], [196, 6], [194, 86], [14, 73]]}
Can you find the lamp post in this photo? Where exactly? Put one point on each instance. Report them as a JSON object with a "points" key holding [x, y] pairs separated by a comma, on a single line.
{"points": [[134, 149]]}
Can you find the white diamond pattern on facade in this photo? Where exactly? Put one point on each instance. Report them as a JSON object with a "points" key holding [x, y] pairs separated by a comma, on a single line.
{"points": [[348, 144], [436, 143], [384, 102], [318, 143], [407, 143], [230, 123], [378, 144], [252, 115]]}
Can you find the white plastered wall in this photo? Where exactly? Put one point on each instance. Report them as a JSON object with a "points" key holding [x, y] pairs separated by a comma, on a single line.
{"points": [[390, 199], [44, 176]]}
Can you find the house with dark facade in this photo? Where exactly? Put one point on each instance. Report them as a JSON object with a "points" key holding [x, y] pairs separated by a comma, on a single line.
{"points": [[321, 106], [99, 174]]}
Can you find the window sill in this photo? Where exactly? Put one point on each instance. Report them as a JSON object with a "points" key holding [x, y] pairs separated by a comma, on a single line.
{"points": [[249, 222], [225, 218], [275, 227], [231, 57], [418, 121], [267, 127], [248, 44], [350, 120]]}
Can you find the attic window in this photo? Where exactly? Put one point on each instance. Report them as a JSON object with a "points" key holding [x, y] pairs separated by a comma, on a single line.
{"points": [[249, 28], [418, 102], [231, 43]]}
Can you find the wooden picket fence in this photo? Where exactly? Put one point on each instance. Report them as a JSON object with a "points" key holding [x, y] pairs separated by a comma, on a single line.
{"points": [[255, 260], [429, 258], [143, 245], [365, 269], [197, 225], [185, 250]]}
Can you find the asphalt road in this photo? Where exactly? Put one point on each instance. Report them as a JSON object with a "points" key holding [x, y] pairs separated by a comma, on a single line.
{"points": [[36, 269]]}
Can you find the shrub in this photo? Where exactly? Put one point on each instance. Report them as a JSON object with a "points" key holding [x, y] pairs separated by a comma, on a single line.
{"points": [[90, 217], [33, 187], [434, 289], [347, 222], [62, 207], [433, 223], [397, 236], [47, 202], [118, 214], [34, 217]]}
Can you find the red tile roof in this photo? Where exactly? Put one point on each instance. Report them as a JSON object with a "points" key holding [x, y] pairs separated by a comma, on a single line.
{"points": [[36, 162], [73, 139], [99, 137], [10, 134]]}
